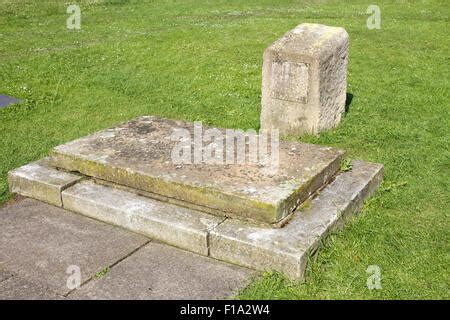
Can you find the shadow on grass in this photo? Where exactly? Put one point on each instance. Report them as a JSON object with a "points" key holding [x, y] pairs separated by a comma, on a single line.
{"points": [[348, 101]]}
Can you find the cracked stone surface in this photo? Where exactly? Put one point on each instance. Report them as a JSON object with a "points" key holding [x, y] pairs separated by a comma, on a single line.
{"points": [[5, 275], [232, 240]]}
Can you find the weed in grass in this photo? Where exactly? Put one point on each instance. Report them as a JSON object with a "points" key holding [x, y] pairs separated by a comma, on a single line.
{"points": [[102, 272]]}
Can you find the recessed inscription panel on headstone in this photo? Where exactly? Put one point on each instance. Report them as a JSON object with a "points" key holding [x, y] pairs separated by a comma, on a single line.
{"points": [[289, 81]]}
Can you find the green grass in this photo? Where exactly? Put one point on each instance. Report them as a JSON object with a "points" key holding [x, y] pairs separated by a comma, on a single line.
{"points": [[201, 60]]}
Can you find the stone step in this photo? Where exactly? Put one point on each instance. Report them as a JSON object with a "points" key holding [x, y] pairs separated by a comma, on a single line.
{"points": [[177, 226], [181, 227], [40, 181], [139, 154], [251, 245], [287, 249]]}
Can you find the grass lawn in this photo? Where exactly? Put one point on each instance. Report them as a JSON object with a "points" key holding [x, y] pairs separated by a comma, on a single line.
{"points": [[201, 60]]}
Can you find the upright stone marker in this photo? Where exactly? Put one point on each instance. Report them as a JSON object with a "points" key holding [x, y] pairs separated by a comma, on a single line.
{"points": [[305, 80]]}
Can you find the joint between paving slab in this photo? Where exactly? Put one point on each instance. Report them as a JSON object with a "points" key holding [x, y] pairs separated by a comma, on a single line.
{"points": [[208, 237], [68, 185], [109, 267]]}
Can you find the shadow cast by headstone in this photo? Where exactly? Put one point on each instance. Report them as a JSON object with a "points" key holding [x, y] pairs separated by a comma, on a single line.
{"points": [[348, 101]]}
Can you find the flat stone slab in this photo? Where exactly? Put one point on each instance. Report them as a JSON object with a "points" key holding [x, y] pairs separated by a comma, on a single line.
{"points": [[286, 249], [137, 154], [40, 181], [178, 226], [158, 271], [38, 242]]}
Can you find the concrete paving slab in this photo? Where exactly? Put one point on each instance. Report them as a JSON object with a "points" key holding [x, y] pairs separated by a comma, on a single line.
{"points": [[40, 181], [287, 249], [178, 226], [39, 242], [138, 154], [158, 271], [17, 288]]}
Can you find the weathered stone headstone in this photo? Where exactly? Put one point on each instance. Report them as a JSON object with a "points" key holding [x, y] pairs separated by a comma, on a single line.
{"points": [[305, 79]]}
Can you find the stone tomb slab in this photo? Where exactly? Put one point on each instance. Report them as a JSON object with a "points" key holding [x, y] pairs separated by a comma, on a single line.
{"points": [[137, 154]]}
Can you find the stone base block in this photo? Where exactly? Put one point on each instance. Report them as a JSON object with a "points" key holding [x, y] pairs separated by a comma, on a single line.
{"points": [[243, 243], [180, 227], [40, 181], [305, 80], [286, 249]]}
